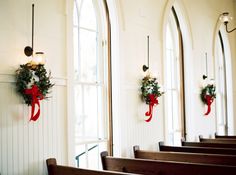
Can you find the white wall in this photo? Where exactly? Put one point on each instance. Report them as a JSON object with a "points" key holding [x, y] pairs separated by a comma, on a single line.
{"points": [[24, 145]]}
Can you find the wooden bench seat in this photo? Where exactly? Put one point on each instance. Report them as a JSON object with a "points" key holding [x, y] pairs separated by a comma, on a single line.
{"points": [[192, 149], [54, 169], [154, 167], [207, 144], [185, 157]]}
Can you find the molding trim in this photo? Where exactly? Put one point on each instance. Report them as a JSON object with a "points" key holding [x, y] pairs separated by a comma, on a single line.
{"points": [[10, 78]]}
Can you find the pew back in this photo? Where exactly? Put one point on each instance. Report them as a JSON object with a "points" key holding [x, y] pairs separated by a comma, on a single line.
{"points": [[206, 144], [217, 140], [227, 137], [153, 167], [192, 149], [54, 169], [225, 141], [185, 157]]}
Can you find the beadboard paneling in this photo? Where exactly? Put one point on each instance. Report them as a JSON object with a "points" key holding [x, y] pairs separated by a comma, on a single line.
{"points": [[24, 145]]}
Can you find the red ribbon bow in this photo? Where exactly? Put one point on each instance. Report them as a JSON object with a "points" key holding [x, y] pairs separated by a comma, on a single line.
{"points": [[36, 96], [209, 101], [153, 101]]}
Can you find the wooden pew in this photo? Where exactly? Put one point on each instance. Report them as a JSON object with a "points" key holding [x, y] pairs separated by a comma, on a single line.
{"points": [[219, 159], [206, 144], [192, 149], [154, 167], [219, 140], [54, 169], [226, 137]]}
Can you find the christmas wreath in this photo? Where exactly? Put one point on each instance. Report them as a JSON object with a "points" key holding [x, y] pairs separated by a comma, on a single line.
{"points": [[208, 95], [150, 92], [33, 84]]}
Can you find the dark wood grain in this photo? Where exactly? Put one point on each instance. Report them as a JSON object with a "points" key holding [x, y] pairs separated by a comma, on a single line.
{"points": [[219, 159], [154, 167], [54, 169]]}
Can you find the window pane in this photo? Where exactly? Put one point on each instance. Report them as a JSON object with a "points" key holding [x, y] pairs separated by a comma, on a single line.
{"points": [[94, 159], [87, 15], [76, 52], [169, 41], [102, 147], [88, 111], [75, 15], [79, 112], [88, 56], [88, 155], [93, 156]]}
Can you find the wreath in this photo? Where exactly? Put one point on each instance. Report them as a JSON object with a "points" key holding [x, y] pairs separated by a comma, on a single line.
{"points": [[208, 95], [33, 84], [150, 92]]}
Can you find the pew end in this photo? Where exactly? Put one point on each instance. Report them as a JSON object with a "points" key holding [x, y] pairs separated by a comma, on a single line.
{"points": [[103, 155], [160, 144], [50, 162], [136, 148], [200, 138]]}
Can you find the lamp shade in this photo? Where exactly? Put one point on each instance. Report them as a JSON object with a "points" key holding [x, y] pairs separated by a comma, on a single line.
{"points": [[225, 18], [38, 58]]}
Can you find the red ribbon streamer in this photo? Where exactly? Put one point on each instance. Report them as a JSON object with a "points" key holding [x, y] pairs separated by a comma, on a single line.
{"points": [[36, 96], [153, 101], [209, 101]]}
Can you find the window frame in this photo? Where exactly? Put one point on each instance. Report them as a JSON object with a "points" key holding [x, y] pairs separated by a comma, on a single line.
{"points": [[106, 83], [181, 94]]}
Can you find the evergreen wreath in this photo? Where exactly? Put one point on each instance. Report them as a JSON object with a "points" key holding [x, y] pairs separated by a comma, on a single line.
{"points": [[208, 90], [28, 75], [150, 86]]}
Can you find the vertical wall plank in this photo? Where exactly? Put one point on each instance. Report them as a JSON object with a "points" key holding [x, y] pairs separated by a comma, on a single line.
{"points": [[24, 144], [20, 137], [4, 135], [0, 132], [26, 138], [15, 144], [40, 142]]}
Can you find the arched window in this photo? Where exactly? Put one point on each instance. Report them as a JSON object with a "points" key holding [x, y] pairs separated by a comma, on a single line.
{"points": [[223, 85], [174, 80], [91, 81]]}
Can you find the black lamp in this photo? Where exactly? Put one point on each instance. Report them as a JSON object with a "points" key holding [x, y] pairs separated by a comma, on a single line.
{"points": [[38, 57], [225, 18]]}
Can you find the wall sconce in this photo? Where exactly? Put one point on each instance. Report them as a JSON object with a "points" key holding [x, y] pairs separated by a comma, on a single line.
{"points": [[225, 18], [145, 68], [38, 57]]}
